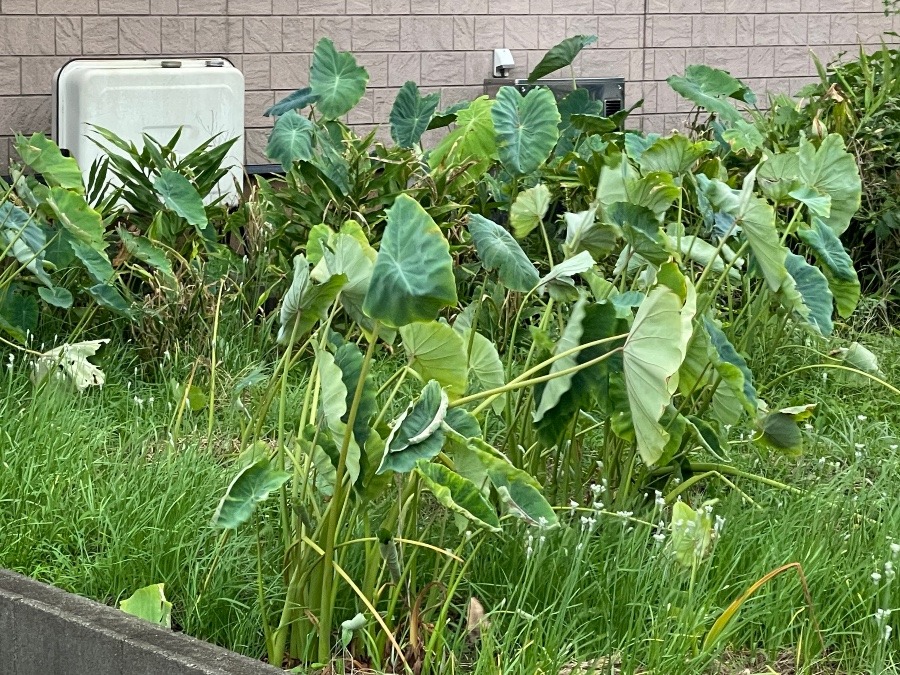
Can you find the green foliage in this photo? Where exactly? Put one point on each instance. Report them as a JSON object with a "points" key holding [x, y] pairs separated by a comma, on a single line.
{"points": [[527, 128], [562, 55], [150, 604], [411, 115], [336, 80], [250, 486]]}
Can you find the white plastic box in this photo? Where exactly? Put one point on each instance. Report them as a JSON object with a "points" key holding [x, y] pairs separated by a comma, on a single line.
{"points": [[156, 96]]}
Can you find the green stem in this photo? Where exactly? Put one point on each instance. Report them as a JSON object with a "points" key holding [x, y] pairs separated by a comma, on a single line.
{"points": [[336, 506]]}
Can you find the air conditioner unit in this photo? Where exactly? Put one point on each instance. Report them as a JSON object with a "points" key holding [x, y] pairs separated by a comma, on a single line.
{"points": [[610, 90], [134, 96]]}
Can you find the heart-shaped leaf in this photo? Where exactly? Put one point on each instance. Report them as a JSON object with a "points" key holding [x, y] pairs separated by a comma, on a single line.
{"points": [[499, 251], [150, 604], [336, 80], [413, 275], [291, 139], [250, 486], [529, 209], [527, 128], [45, 157], [306, 303], [181, 196], [411, 115], [295, 101], [436, 352]]}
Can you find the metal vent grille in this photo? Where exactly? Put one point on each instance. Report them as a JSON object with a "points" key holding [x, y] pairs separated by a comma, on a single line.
{"points": [[611, 106]]}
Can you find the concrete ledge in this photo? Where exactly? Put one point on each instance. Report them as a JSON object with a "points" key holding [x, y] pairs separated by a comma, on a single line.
{"points": [[45, 630]]}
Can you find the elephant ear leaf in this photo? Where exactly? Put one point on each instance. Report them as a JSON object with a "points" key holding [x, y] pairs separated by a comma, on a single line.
{"points": [[413, 275], [45, 157], [711, 89], [529, 209], [499, 251], [831, 170], [250, 486], [150, 604], [836, 263], [654, 351], [458, 494], [561, 55], [411, 115], [181, 196], [527, 128], [306, 303], [818, 303], [336, 80], [437, 352], [291, 139], [418, 433]]}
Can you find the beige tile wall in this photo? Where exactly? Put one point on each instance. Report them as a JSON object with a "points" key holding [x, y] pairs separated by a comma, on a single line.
{"points": [[442, 44]]}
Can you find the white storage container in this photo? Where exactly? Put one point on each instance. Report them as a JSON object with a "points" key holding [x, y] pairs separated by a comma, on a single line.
{"points": [[156, 96]]}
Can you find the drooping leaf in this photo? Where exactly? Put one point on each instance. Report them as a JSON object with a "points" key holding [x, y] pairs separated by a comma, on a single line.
{"points": [[437, 352], [813, 288], [710, 88], [859, 357], [45, 157], [727, 354], [829, 251], [350, 359], [306, 303], [653, 353], [778, 176], [336, 80], [519, 492], [473, 141], [291, 140], [417, 434], [781, 432], [743, 136], [413, 275], [570, 338], [527, 128], [458, 494], [485, 367], [333, 407], [499, 251], [150, 604], [24, 239], [818, 204], [561, 55], [95, 262], [56, 296], [641, 230], [585, 232], [70, 362], [674, 154], [445, 118], [832, 171], [346, 255], [294, 101], [462, 423], [108, 296], [411, 115], [692, 534], [79, 219], [560, 276], [250, 486], [179, 194], [529, 210]]}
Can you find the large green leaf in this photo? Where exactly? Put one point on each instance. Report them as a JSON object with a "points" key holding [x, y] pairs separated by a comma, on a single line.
{"points": [[250, 486], [57, 296], [294, 101], [108, 296], [306, 303], [345, 254], [45, 157], [418, 433], [473, 141], [561, 55], [674, 154], [485, 367], [499, 251], [653, 353], [150, 604], [778, 176], [291, 140], [458, 494], [179, 194], [527, 128], [336, 80], [710, 89], [832, 171], [79, 219], [728, 358], [560, 279], [413, 275], [334, 406], [24, 240], [586, 232], [813, 288], [570, 338], [519, 492], [529, 209], [411, 115], [95, 262], [350, 359], [437, 352], [642, 231]]}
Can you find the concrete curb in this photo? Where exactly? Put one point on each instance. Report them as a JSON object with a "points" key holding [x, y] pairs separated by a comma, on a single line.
{"points": [[45, 630]]}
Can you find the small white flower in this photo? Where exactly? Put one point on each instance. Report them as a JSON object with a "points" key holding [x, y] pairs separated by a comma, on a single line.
{"points": [[887, 632], [894, 446], [596, 489], [659, 537], [881, 615], [542, 522], [861, 418], [895, 549], [624, 514], [660, 500], [720, 524], [139, 402], [821, 461], [542, 540], [876, 577], [599, 506], [808, 426], [858, 455], [859, 446], [467, 534]]}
